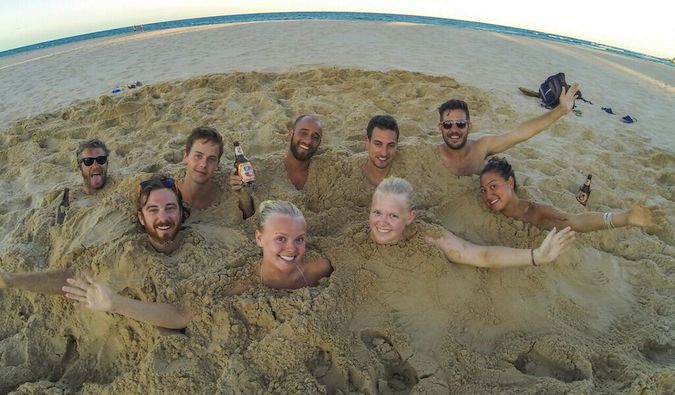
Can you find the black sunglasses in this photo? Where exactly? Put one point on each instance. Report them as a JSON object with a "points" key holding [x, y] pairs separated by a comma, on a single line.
{"points": [[447, 125], [101, 160], [168, 182]]}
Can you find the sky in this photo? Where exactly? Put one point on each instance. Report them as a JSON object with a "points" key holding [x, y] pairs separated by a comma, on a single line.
{"points": [[645, 26]]}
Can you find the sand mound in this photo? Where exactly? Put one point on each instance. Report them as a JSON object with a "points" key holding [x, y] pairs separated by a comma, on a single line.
{"points": [[396, 319]]}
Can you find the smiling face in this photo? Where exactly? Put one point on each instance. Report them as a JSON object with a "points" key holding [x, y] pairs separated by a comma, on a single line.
{"points": [[455, 137], [305, 139], [496, 192], [161, 216], [94, 176], [282, 239], [202, 161], [389, 215], [381, 147]]}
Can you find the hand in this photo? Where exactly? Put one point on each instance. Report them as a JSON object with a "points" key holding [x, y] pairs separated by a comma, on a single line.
{"points": [[567, 97], [236, 184], [89, 293], [644, 216], [439, 241], [554, 245]]}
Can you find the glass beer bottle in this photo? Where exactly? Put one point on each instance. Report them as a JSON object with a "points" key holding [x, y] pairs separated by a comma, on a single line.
{"points": [[61, 210], [243, 166], [584, 191]]}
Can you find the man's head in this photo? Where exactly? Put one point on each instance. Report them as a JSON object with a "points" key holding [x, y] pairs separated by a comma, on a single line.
{"points": [[92, 160], [203, 150], [305, 137], [381, 140], [454, 123], [160, 210]]}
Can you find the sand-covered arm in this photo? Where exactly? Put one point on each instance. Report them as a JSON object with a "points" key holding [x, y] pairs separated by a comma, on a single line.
{"points": [[530, 128], [246, 204], [461, 251], [99, 297], [40, 282]]}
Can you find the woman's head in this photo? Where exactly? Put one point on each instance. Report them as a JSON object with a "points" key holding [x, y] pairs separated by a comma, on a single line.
{"points": [[497, 183], [391, 210], [281, 234]]}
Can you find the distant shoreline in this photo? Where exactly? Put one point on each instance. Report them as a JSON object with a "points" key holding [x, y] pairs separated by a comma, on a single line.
{"points": [[339, 16]]}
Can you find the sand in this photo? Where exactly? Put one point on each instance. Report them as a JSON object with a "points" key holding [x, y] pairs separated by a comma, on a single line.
{"points": [[390, 320]]}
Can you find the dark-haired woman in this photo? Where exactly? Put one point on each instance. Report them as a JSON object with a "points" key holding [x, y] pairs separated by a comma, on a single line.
{"points": [[498, 191]]}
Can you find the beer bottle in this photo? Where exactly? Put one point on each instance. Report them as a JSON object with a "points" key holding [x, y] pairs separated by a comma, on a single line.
{"points": [[243, 166], [584, 191], [61, 210]]}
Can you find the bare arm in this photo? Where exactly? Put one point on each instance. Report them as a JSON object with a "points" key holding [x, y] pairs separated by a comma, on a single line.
{"points": [[246, 204], [532, 127], [638, 215], [461, 251], [39, 282], [99, 297]]}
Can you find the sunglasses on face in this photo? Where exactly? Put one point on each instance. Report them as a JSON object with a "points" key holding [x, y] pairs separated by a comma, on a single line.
{"points": [[101, 160], [461, 124], [168, 182]]}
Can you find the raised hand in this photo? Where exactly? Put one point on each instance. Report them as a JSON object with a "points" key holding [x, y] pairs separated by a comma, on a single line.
{"points": [[644, 216], [567, 97], [90, 293], [555, 243]]}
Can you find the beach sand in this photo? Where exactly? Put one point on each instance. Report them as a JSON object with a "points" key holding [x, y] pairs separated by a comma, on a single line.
{"points": [[390, 320]]}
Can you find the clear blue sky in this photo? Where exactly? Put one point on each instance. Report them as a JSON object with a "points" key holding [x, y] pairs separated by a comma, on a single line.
{"points": [[644, 26]]}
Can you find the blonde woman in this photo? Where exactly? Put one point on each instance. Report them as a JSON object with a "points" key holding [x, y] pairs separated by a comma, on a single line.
{"points": [[392, 210]]}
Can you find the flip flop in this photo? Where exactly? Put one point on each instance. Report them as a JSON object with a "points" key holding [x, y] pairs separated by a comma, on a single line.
{"points": [[628, 119], [608, 110]]}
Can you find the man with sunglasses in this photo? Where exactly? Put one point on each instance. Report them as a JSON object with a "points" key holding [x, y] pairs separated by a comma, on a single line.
{"points": [[161, 214], [465, 157], [92, 161]]}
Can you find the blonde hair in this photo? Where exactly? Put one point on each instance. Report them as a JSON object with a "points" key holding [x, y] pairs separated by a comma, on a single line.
{"points": [[397, 186], [269, 208]]}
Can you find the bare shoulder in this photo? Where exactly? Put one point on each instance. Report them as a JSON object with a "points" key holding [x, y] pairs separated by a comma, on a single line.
{"points": [[316, 268], [542, 214]]}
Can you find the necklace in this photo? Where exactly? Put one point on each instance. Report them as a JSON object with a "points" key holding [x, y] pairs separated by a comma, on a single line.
{"points": [[262, 281]]}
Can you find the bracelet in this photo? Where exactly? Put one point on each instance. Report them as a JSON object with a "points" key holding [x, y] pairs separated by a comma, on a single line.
{"points": [[608, 218], [532, 257]]}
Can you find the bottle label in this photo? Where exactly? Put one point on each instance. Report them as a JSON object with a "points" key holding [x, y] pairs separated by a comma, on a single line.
{"points": [[582, 197], [245, 171], [238, 151]]}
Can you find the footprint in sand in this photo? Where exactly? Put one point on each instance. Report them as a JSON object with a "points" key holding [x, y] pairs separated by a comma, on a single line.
{"points": [[400, 377], [660, 353], [542, 362]]}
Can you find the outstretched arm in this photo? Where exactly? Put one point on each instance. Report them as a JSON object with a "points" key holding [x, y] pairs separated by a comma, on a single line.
{"points": [[246, 204], [532, 127], [39, 282], [461, 251], [99, 297], [638, 215]]}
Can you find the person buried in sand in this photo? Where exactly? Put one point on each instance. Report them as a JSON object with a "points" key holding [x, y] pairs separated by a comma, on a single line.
{"points": [[392, 210], [160, 213], [381, 143], [465, 157], [282, 235], [498, 190], [305, 135], [92, 161], [203, 150]]}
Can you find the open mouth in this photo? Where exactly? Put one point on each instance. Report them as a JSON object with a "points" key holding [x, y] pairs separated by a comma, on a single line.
{"points": [[382, 230], [288, 258], [304, 146]]}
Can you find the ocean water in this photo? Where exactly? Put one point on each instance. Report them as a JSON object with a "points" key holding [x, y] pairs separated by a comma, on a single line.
{"points": [[343, 16]]}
